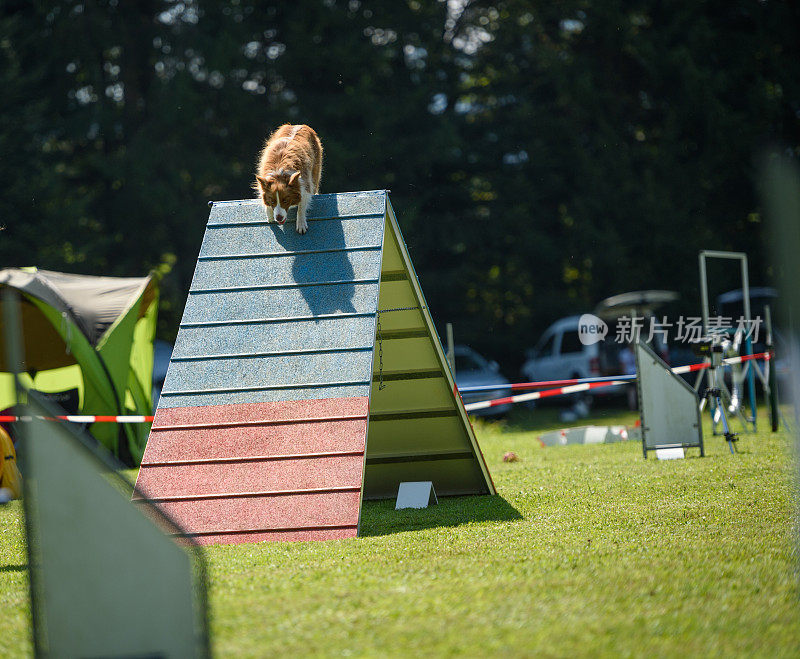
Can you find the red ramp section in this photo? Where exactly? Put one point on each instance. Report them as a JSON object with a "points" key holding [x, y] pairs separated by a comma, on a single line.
{"points": [[259, 471], [261, 428]]}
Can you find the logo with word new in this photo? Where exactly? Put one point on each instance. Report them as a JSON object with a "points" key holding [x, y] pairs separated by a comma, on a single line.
{"points": [[591, 329]]}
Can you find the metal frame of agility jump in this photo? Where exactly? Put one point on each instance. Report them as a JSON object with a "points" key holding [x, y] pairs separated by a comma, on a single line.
{"points": [[748, 374]]}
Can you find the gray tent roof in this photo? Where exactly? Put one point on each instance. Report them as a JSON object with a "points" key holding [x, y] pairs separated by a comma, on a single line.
{"points": [[642, 302], [93, 303]]}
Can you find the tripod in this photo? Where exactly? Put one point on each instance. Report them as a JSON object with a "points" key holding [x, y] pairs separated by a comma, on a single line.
{"points": [[713, 393]]}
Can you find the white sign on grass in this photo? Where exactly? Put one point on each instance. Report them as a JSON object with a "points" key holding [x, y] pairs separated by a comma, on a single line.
{"points": [[415, 494], [675, 453]]}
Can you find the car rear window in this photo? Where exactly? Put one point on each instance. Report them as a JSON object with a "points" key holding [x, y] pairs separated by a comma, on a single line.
{"points": [[570, 343]]}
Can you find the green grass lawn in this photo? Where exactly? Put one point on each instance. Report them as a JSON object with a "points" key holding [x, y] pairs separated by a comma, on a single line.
{"points": [[587, 550]]}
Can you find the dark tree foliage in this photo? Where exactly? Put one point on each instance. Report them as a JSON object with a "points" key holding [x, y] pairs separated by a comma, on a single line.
{"points": [[541, 155], [638, 126]]}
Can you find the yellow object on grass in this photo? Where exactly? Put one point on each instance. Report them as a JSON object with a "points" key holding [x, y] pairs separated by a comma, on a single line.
{"points": [[10, 478]]}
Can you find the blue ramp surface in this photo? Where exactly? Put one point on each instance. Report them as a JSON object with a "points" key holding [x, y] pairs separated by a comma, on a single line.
{"points": [[273, 315]]}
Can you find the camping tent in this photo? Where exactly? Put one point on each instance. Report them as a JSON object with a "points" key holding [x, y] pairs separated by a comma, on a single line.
{"points": [[88, 345]]}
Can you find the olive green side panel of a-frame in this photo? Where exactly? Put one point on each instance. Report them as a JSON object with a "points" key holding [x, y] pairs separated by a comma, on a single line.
{"points": [[418, 428]]}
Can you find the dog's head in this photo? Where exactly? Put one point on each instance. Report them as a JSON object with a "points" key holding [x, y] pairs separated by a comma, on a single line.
{"points": [[280, 190]]}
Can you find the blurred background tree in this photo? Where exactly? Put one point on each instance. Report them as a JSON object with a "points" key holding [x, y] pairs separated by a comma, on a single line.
{"points": [[541, 155]]}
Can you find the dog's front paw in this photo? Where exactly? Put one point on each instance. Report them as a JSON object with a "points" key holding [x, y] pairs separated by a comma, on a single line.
{"points": [[302, 225]]}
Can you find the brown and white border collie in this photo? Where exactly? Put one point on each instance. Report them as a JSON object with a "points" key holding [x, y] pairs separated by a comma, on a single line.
{"points": [[289, 171]]}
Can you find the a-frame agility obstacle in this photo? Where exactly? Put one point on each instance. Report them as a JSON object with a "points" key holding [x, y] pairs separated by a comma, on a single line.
{"points": [[306, 376]]}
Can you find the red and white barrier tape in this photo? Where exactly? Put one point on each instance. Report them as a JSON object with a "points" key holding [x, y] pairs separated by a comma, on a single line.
{"points": [[73, 418], [575, 388], [730, 360], [521, 398]]}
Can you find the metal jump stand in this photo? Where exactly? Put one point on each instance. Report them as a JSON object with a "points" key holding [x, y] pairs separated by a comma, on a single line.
{"points": [[745, 381], [713, 394], [732, 400], [749, 423]]}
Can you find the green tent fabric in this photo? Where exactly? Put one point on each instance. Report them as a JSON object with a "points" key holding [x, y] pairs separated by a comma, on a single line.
{"points": [[88, 343]]}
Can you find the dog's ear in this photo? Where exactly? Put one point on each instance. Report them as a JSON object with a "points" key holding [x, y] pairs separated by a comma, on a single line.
{"points": [[264, 181], [294, 177]]}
